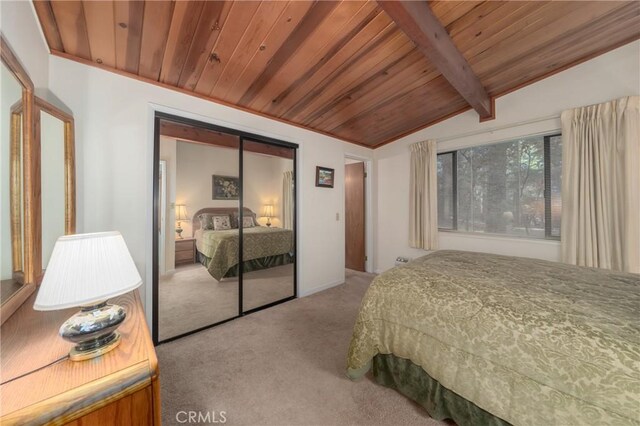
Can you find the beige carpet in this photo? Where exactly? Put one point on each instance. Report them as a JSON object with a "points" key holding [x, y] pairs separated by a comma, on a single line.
{"points": [[281, 366], [189, 298]]}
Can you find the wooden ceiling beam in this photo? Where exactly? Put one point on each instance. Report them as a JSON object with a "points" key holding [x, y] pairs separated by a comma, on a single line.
{"points": [[419, 23], [210, 137]]}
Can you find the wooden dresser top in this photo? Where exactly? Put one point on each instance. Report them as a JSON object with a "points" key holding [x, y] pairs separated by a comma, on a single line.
{"points": [[39, 383]]}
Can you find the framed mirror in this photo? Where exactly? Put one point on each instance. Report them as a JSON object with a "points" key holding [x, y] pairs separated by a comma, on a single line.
{"points": [[54, 130], [19, 213]]}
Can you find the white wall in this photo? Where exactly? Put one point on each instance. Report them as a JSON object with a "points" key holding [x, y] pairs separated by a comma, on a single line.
{"points": [[114, 149], [610, 76], [22, 31]]}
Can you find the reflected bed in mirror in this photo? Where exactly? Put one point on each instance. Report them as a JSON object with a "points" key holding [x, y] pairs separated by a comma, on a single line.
{"points": [[16, 222]]}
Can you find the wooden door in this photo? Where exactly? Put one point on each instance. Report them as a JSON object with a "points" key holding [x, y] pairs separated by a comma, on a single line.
{"points": [[354, 216]]}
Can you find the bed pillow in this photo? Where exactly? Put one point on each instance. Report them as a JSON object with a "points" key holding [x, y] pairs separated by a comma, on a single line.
{"points": [[221, 223], [236, 219], [206, 221], [247, 222], [233, 220]]}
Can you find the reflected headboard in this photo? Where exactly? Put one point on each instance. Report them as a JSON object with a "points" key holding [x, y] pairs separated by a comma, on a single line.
{"points": [[231, 211]]}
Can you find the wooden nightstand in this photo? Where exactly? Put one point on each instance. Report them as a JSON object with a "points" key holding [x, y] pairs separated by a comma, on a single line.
{"points": [[185, 251]]}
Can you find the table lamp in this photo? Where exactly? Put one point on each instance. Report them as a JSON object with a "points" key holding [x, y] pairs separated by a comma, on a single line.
{"points": [[85, 270], [181, 214], [267, 211]]}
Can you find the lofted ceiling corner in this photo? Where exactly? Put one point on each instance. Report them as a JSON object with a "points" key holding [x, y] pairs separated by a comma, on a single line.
{"points": [[360, 71]]}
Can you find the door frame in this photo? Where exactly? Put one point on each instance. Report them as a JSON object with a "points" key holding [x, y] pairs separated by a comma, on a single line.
{"points": [[162, 225], [368, 207]]}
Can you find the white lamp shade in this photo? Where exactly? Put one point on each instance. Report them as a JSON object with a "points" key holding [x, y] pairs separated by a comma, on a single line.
{"points": [[267, 210], [181, 212], [86, 269]]}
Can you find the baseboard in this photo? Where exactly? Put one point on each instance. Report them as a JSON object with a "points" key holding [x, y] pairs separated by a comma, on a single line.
{"points": [[309, 292]]}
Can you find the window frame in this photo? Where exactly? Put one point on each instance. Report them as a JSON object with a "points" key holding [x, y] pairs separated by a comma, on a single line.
{"points": [[454, 188], [548, 227], [548, 223]]}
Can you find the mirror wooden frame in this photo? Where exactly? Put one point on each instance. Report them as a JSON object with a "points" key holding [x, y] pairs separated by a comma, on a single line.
{"points": [[30, 246], [69, 163], [15, 189]]}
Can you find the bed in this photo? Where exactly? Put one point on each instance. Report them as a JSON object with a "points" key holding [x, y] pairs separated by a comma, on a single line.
{"points": [[263, 247], [487, 339]]}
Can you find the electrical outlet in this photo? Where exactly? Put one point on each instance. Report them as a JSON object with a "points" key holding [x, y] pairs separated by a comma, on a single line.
{"points": [[402, 260], [337, 217]]}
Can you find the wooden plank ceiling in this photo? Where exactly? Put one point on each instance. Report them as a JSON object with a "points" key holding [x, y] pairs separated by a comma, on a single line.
{"points": [[343, 68]]}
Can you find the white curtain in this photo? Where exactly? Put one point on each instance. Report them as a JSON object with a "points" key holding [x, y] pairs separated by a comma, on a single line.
{"points": [[423, 213], [287, 200], [600, 185]]}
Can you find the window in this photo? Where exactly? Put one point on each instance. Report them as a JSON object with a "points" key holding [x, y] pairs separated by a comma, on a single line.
{"points": [[510, 188]]}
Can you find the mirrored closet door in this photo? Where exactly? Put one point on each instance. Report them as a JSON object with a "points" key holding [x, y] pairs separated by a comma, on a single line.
{"points": [[268, 252], [224, 220], [224, 225], [198, 205]]}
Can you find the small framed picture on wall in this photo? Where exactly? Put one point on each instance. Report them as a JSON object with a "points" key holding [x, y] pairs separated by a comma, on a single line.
{"points": [[325, 177]]}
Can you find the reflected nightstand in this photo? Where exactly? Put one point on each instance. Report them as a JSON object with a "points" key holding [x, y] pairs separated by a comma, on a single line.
{"points": [[185, 251]]}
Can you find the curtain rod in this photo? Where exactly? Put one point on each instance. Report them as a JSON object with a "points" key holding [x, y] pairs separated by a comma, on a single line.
{"points": [[495, 129]]}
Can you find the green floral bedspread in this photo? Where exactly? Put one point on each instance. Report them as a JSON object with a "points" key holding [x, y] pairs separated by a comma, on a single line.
{"points": [[532, 342], [259, 241]]}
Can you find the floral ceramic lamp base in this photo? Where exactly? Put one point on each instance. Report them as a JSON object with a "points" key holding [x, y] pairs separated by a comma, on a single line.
{"points": [[93, 330]]}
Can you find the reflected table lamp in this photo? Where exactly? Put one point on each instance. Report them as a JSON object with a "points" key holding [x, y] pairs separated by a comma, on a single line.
{"points": [[267, 211], [85, 270], [181, 214]]}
